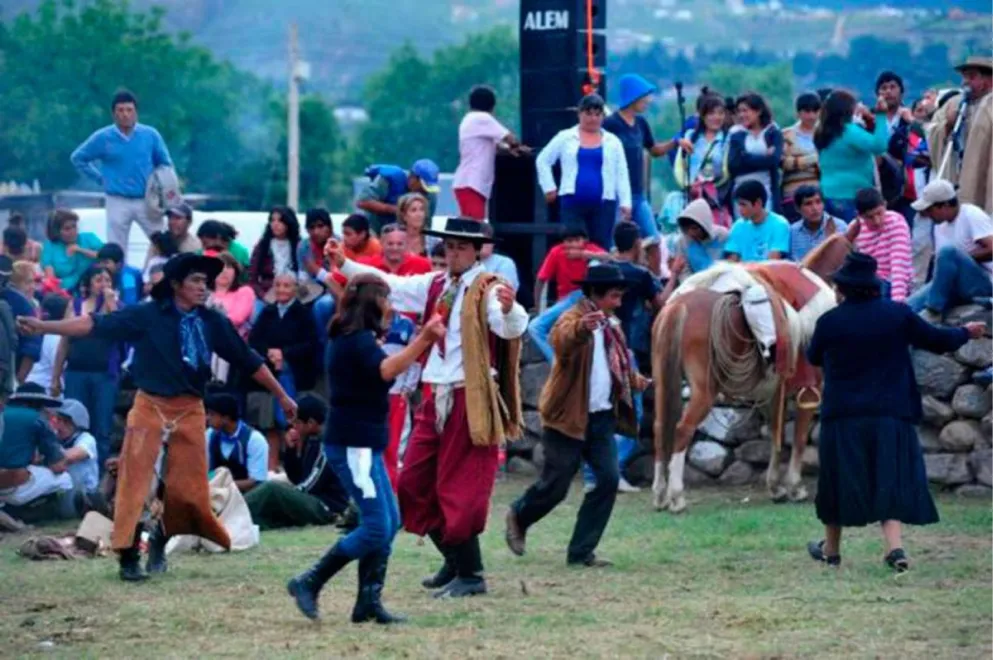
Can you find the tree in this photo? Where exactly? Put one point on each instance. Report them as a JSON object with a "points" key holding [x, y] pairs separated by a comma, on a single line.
{"points": [[415, 104]]}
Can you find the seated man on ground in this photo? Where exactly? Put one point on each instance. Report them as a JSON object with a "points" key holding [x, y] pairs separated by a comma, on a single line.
{"points": [[71, 423], [760, 234], [233, 444], [815, 225], [25, 481], [314, 495], [963, 248]]}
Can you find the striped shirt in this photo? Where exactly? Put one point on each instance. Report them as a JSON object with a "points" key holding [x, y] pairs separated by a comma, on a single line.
{"points": [[890, 247]]}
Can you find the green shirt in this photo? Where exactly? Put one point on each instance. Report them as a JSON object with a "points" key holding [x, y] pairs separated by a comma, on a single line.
{"points": [[69, 268]]}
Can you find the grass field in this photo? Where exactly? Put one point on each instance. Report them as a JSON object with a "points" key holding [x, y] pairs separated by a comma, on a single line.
{"points": [[728, 579]]}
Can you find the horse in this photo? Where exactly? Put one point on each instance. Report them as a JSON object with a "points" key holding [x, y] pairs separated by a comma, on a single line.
{"points": [[704, 336]]}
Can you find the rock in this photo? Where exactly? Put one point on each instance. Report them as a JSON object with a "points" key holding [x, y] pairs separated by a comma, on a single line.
{"points": [[810, 461], [960, 435], [529, 351], [929, 439], [518, 465], [721, 422], [709, 456], [938, 375], [976, 491], [533, 377], [947, 469], [936, 413], [693, 477], [986, 426], [748, 428], [739, 473], [755, 451], [976, 353], [958, 316], [981, 464], [971, 401]]}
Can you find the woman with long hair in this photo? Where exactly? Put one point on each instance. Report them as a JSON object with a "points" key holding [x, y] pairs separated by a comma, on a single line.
{"points": [[703, 171], [756, 148], [871, 465], [276, 251], [67, 253], [359, 378], [412, 214], [847, 152], [91, 365]]}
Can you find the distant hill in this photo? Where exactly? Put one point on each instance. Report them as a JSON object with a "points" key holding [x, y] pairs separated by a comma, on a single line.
{"points": [[346, 40]]}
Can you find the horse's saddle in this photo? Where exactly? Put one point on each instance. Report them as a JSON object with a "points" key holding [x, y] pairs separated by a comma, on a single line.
{"points": [[796, 296]]}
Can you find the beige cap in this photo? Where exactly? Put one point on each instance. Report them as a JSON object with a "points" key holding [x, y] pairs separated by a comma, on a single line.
{"points": [[936, 192], [976, 62]]}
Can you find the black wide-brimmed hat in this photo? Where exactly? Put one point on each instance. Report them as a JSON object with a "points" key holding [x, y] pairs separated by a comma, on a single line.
{"points": [[32, 393], [607, 275], [859, 270], [462, 229], [179, 267]]}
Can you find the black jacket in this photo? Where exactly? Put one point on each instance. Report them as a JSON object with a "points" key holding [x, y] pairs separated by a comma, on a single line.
{"points": [[741, 162], [295, 335]]}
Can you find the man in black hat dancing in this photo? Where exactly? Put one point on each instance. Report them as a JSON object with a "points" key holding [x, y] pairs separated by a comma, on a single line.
{"points": [[588, 396], [471, 401], [173, 336]]}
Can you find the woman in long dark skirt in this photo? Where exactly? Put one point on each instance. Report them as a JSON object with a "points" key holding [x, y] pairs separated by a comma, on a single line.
{"points": [[359, 378], [871, 465]]}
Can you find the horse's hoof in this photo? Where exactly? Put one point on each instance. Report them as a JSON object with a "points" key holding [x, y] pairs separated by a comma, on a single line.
{"points": [[779, 496], [799, 495], [679, 506]]}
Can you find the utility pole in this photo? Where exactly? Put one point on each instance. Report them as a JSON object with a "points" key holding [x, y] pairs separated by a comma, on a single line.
{"points": [[293, 128]]}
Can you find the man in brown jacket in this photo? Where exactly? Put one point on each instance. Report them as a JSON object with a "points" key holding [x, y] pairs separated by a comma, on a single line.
{"points": [[586, 398]]}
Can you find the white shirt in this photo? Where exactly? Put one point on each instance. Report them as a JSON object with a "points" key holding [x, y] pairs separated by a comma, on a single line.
{"points": [[41, 372], [282, 260], [410, 294], [969, 226], [479, 134], [600, 385], [503, 266], [564, 149]]}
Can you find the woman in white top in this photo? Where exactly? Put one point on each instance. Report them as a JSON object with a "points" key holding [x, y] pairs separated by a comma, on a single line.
{"points": [[594, 180]]}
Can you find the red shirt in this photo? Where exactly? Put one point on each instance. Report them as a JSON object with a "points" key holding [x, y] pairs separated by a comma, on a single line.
{"points": [[413, 264], [565, 271]]}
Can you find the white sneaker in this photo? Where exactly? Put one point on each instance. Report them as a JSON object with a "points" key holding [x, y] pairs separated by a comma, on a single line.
{"points": [[624, 487]]}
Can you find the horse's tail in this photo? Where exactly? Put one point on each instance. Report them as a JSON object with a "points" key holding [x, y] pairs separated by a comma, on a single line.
{"points": [[667, 371]]}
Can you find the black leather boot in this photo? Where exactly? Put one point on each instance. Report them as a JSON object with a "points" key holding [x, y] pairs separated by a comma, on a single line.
{"points": [[469, 566], [369, 605], [156, 563], [306, 587], [447, 572], [130, 559]]}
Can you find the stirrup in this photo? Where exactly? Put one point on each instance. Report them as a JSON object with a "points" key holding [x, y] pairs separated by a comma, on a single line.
{"points": [[808, 405]]}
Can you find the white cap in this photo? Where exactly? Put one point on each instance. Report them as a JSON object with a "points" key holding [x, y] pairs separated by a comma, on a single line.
{"points": [[77, 412], [936, 192]]}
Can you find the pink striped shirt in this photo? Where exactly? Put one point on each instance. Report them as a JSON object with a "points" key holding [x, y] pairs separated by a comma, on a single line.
{"points": [[890, 247]]}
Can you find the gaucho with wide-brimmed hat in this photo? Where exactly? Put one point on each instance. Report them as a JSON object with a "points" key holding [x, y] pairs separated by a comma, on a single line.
{"points": [[173, 336], [471, 401]]}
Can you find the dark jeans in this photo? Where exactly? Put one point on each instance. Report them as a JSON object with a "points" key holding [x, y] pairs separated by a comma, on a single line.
{"points": [[597, 219], [97, 391], [562, 458], [379, 517]]}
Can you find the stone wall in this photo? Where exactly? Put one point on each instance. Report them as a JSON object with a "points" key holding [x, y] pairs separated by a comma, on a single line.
{"points": [[732, 446]]}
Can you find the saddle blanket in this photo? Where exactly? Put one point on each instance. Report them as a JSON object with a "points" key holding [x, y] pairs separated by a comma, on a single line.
{"points": [[781, 301]]}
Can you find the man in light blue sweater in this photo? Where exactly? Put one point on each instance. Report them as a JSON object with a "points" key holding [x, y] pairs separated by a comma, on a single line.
{"points": [[121, 157]]}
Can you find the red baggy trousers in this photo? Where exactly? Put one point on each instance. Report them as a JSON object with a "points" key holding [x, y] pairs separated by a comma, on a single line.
{"points": [[446, 482]]}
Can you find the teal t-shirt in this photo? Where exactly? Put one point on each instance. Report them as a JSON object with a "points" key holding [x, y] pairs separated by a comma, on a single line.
{"points": [[69, 268], [754, 242]]}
